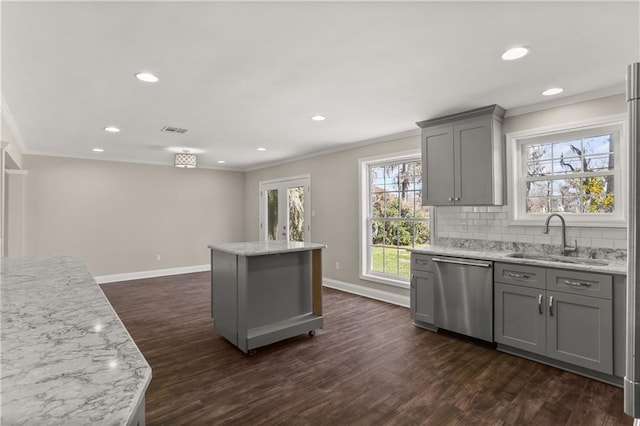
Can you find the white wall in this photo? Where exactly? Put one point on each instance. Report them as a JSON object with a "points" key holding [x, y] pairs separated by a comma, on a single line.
{"points": [[118, 217]]}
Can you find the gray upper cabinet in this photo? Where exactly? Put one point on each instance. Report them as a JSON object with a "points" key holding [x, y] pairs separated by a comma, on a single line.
{"points": [[462, 158]]}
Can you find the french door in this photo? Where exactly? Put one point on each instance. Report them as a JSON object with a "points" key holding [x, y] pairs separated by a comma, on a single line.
{"points": [[285, 210]]}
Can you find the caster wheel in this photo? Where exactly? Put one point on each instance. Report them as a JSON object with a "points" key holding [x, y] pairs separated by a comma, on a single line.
{"points": [[312, 333], [251, 352]]}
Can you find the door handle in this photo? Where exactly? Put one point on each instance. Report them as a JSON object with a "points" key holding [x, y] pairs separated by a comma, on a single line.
{"points": [[540, 304], [551, 306]]}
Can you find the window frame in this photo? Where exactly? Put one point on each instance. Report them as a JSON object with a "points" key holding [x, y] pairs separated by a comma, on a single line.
{"points": [[364, 204], [516, 171]]}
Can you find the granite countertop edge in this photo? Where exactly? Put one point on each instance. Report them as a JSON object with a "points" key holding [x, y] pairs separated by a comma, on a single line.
{"points": [[259, 248], [616, 267]]}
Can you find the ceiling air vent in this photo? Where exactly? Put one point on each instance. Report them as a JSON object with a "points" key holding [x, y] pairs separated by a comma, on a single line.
{"points": [[171, 129]]}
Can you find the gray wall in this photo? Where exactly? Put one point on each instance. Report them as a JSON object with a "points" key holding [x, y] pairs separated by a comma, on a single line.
{"points": [[118, 217]]}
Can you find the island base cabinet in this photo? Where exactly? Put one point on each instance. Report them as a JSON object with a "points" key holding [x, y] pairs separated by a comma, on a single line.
{"points": [[422, 297], [520, 317], [579, 331]]}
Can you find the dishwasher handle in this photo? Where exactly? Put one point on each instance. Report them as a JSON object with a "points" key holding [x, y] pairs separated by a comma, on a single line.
{"points": [[462, 262]]}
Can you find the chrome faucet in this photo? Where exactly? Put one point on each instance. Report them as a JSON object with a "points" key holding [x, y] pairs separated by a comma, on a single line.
{"points": [[565, 248]]}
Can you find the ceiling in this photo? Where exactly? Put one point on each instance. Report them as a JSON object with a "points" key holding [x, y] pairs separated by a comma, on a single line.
{"points": [[242, 75]]}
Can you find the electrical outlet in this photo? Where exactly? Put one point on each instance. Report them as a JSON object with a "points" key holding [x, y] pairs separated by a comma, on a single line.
{"points": [[158, 258], [337, 266]]}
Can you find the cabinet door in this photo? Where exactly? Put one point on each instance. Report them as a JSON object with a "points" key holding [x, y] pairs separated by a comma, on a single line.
{"points": [[437, 166], [519, 317], [474, 165], [579, 331], [422, 296]]}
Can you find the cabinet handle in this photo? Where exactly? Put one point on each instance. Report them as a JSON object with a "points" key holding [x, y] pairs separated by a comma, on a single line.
{"points": [[456, 199], [519, 276], [577, 283], [413, 277], [550, 305], [422, 262], [450, 198], [540, 304]]}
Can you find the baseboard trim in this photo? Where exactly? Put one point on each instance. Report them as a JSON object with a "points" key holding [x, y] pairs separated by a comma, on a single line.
{"points": [[372, 293], [105, 279]]}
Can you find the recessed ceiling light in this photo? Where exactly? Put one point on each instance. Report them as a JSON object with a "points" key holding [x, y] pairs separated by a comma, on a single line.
{"points": [[515, 53], [262, 149], [97, 150], [318, 118], [147, 77], [552, 91], [112, 129], [221, 161]]}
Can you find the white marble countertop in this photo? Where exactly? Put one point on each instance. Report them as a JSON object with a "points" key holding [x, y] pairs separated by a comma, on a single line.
{"points": [[614, 267], [66, 357], [258, 248]]}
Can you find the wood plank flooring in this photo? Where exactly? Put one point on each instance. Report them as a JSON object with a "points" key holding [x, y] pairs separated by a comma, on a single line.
{"points": [[368, 366]]}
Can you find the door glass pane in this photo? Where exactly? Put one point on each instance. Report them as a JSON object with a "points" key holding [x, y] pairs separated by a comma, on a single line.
{"points": [[272, 214], [296, 213]]}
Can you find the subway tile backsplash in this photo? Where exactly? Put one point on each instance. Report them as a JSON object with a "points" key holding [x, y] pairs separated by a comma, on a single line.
{"points": [[482, 226]]}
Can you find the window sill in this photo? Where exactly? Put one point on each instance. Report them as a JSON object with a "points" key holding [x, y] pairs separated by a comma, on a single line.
{"points": [[400, 283], [611, 222]]}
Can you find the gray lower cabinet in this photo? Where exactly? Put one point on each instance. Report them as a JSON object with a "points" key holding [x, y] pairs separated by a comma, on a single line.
{"points": [[571, 325], [421, 295], [519, 320], [579, 331]]}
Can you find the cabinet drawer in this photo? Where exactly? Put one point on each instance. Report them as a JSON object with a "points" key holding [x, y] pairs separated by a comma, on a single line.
{"points": [[511, 273], [421, 262], [585, 283]]}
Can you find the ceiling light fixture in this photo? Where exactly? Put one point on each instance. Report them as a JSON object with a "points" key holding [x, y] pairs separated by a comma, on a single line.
{"points": [[186, 161], [515, 53], [97, 150], [318, 118], [221, 161], [261, 149], [111, 129], [147, 77], [552, 91]]}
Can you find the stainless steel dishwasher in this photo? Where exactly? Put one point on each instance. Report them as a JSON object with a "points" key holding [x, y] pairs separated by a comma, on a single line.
{"points": [[464, 296]]}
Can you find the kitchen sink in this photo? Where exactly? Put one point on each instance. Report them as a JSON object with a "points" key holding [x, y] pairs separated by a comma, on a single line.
{"points": [[560, 259]]}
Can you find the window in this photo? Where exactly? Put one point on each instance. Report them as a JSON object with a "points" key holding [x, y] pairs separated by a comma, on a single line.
{"points": [[576, 172], [393, 218]]}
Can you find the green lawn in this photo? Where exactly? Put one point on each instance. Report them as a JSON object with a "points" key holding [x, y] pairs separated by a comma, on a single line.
{"points": [[392, 261]]}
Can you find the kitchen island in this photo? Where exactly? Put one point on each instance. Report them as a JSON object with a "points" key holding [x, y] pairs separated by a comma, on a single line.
{"points": [[66, 357], [266, 291]]}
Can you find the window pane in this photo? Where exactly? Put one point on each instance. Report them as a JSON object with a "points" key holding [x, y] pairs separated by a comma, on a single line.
{"points": [[567, 204], [599, 163], [567, 165], [567, 149], [598, 194], [391, 178], [296, 213], [377, 233], [538, 204], [391, 260], [272, 214], [566, 187], [539, 152], [376, 175], [538, 188], [539, 168], [598, 144]]}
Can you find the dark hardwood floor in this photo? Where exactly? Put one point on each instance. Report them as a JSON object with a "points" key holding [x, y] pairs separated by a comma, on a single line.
{"points": [[368, 366]]}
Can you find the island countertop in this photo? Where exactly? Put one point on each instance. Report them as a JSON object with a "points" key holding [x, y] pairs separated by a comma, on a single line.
{"points": [[66, 357], [259, 248]]}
